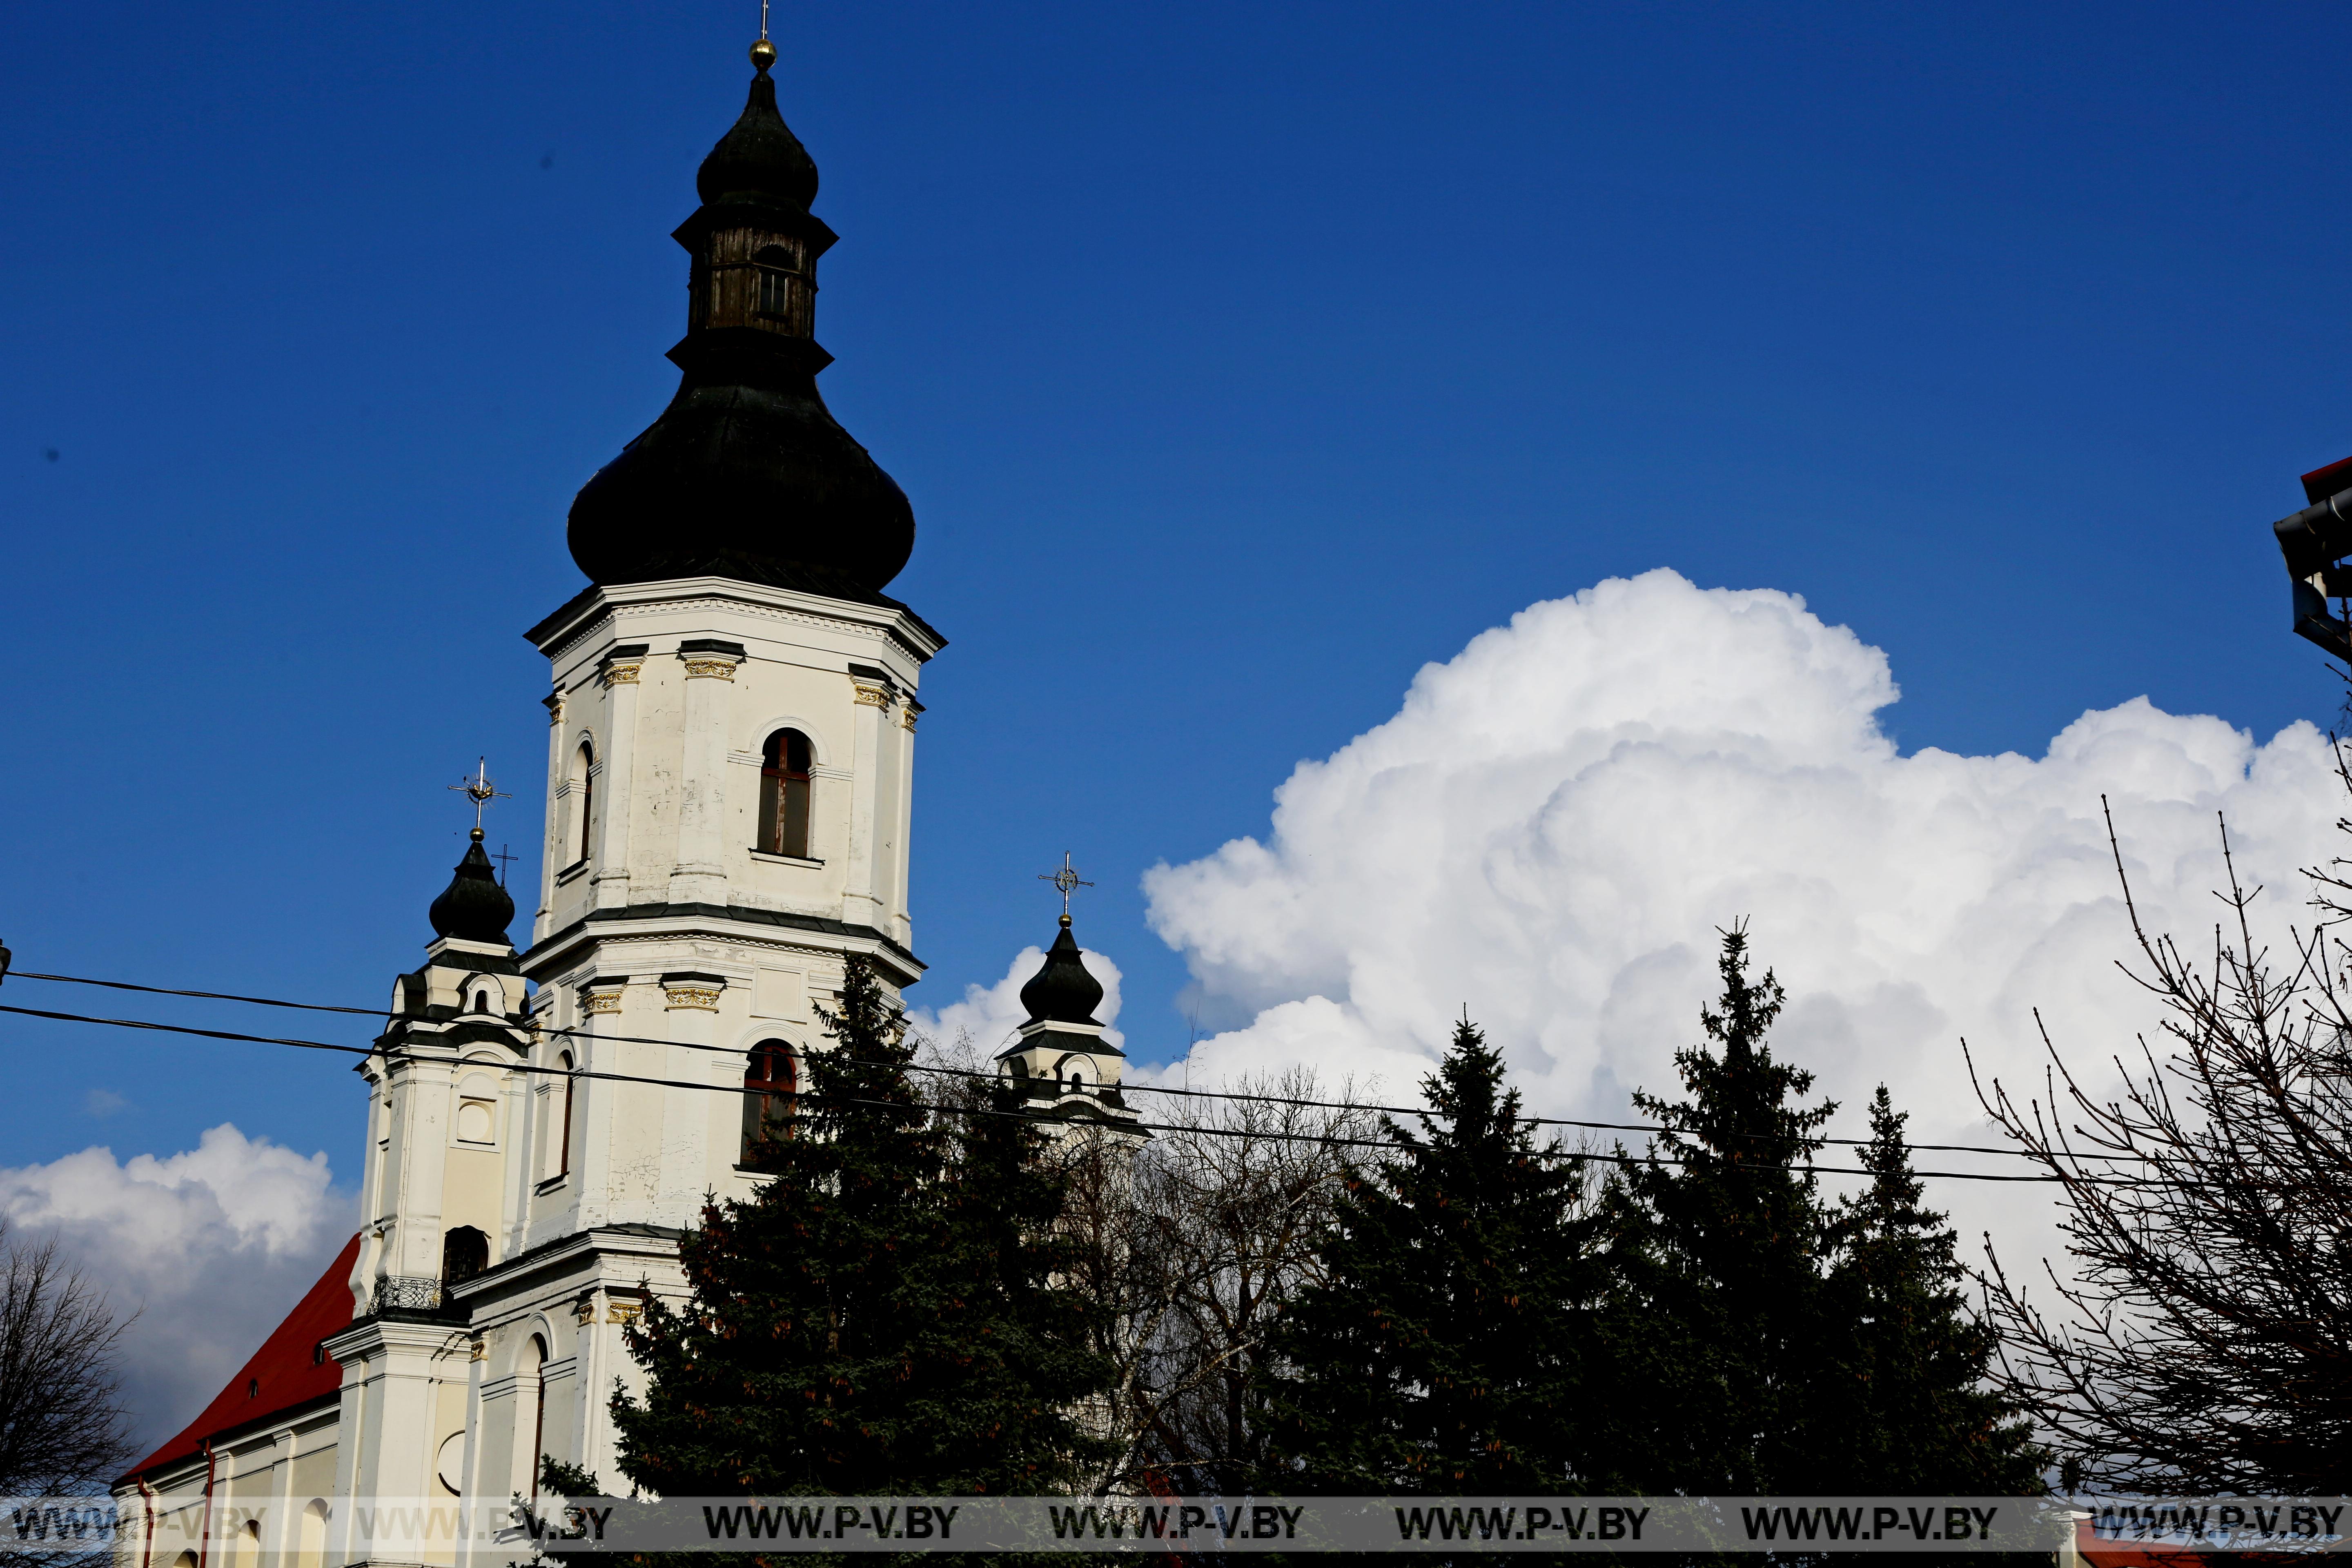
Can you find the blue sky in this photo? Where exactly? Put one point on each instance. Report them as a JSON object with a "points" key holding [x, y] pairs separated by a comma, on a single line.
{"points": [[1238, 360]]}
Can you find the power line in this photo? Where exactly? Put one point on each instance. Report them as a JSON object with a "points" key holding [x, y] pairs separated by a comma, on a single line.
{"points": [[207, 995], [554, 1032], [1326, 1140]]}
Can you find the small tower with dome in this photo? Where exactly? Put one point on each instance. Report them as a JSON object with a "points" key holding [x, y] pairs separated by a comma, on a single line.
{"points": [[1067, 1072]]}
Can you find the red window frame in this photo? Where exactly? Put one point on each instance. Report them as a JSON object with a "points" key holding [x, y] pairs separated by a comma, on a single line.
{"points": [[784, 791], [771, 1083]]}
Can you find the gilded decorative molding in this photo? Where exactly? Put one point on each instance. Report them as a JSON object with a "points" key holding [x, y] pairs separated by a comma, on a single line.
{"points": [[692, 998], [720, 669], [554, 707], [619, 1311], [584, 1310], [871, 696], [906, 718], [622, 674], [601, 1001]]}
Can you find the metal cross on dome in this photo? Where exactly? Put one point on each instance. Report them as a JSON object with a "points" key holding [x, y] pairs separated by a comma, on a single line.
{"points": [[1065, 881], [480, 790]]}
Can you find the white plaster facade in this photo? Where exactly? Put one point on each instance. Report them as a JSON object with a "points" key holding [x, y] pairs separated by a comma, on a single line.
{"points": [[563, 1111], [573, 1103], [664, 952]]}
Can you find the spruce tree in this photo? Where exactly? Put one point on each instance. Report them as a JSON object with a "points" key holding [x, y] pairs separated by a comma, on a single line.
{"points": [[1720, 1243], [1919, 1413], [881, 1317], [1442, 1350]]}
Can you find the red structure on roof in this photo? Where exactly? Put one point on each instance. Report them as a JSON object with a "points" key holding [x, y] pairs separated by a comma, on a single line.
{"points": [[2333, 479], [289, 1371], [2106, 1551]]}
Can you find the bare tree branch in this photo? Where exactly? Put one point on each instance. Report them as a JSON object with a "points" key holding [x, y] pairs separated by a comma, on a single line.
{"points": [[63, 1428], [2204, 1339], [1197, 1242]]}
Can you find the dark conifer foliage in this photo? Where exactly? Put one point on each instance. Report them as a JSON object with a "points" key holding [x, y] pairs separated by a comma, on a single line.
{"points": [[882, 1318], [1442, 1351], [1915, 1410], [1720, 1261]]}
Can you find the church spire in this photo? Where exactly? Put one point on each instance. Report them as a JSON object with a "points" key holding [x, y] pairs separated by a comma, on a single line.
{"points": [[474, 907], [759, 159], [747, 474], [1063, 991]]}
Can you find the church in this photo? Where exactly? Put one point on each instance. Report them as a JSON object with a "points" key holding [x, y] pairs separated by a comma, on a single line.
{"points": [[730, 750]]}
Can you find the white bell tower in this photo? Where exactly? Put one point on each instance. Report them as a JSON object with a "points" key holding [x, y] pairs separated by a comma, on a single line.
{"points": [[730, 795], [729, 806]]}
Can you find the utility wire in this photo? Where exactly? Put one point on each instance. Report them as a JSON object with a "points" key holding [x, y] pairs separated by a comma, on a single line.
{"points": [[1329, 1140], [554, 1032], [207, 995]]}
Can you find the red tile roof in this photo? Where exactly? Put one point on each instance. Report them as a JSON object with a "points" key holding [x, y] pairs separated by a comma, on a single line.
{"points": [[2100, 1552], [282, 1374]]}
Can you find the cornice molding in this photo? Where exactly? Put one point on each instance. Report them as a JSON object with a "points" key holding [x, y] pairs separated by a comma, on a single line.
{"points": [[595, 608], [556, 951]]}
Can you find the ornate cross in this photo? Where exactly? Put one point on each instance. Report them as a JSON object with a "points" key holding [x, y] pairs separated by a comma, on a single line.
{"points": [[480, 790], [1065, 881]]}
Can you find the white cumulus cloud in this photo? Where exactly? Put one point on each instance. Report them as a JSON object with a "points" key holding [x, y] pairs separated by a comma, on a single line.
{"points": [[212, 1246], [1555, 824]]}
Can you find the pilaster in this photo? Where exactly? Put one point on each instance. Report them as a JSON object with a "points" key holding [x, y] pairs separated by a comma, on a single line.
{"points": [[392, 1375], [902, 924], [621, 676], [552, 821], [872, 701], [420, 1089], [690, 1003], [604, 1011], [699, 877]]}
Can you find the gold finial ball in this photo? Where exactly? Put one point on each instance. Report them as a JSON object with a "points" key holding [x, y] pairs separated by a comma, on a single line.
{"points": [[763, 54]]}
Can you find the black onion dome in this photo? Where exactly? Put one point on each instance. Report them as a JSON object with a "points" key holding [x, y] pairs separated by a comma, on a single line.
{"points": [[473, 906], [759, 159], [1063, 992], [747, 481], [747, 474]]}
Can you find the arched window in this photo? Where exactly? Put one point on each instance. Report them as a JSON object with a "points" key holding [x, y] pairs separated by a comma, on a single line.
{"points": [[583, 800], [784, 794], [563, 1141], [310, 1542], [535, 1359], [464, 1252], [776, 267], [768, 1086]]}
